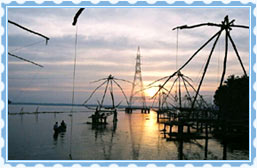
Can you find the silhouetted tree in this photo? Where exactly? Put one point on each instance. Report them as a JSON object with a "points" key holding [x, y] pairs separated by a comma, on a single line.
{"points": [[232, 98]]}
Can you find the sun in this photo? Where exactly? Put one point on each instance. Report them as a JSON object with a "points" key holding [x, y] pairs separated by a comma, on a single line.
{"points": [[151, 92]]}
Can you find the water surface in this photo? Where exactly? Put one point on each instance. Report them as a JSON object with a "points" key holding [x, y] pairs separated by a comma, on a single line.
{"points": [[134, 137]]}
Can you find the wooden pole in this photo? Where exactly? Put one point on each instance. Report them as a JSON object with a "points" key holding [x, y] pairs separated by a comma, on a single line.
{"points": [[122, 91], [187, 90], [26, 60], [75, 19], [94, 92], [205, 68], [217, 34], [180, 133], [31, 31], [206, 137], [224, 141], [225, 58], [111, 93], [237, 54], [170, 89], [102, 101]]}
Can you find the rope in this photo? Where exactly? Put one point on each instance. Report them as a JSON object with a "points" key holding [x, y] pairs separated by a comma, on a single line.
{"points": [[74, 68], [176, 61], [177, 52], [29, 45], [73, 86]]}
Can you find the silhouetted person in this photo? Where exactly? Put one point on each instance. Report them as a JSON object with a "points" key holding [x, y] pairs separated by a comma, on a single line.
{"points": [[56, 126], [63, 124]]}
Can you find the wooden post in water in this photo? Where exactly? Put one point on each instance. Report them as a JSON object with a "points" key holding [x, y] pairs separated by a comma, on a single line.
{"points": [[201, 127], [21, 112], [37, 113], [180, 136], [206, 137], [170, 129], [158, 117], [224, 140], [197, 121], [115, 115]]}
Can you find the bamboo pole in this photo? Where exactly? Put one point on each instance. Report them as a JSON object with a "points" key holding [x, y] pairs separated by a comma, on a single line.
{"points": [[237, 54], [102, 101], [23, 59], [31, 31], [225, 58], [94, 92], [216, 34], [205, 68], [111, 93], [121, 91]]}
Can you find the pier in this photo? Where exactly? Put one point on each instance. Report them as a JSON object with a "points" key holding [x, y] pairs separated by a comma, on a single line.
{"points": [[142, 109]]}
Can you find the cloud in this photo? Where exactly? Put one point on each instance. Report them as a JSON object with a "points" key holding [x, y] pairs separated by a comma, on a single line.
{"points": [[107, 44]]}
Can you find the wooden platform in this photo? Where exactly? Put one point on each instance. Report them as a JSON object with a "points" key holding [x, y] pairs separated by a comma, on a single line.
{"points": [[143, 109], [100, 116]]}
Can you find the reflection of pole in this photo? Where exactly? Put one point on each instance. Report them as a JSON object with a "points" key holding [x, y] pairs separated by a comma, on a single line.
{"points": [[224, 140], [206, 136], [115, 114], [134, 152], [37, 113], [180, 149], [21, 113], [180, 132], [136, 140]]}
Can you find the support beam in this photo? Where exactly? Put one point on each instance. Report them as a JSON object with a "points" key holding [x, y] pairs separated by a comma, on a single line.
{"points": [[205, 69], [225, 59], [23, 59], [237, 54], [31, 31], [207, 42], [75, 19]]}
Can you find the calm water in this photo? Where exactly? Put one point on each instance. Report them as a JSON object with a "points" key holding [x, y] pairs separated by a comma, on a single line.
{"points": [[135, 136]]}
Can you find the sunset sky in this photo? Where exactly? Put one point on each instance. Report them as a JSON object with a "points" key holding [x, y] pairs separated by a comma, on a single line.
{"points": [[107, 44]]}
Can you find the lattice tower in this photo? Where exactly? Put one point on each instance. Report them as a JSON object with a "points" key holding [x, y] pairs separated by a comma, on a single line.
{"points": [[137, 92]]}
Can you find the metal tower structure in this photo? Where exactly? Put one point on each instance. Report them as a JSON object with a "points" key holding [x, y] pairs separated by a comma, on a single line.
{"points": [[137, 92]]}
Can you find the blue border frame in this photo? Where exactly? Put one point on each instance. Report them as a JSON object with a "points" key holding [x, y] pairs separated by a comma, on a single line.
{"points": [[140, 163]]}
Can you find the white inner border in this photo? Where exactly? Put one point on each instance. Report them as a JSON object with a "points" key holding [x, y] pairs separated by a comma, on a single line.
{"points": [[171, 161]]}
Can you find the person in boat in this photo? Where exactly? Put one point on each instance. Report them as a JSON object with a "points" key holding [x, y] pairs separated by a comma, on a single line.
{"points": [[63, 124], [56, 126]]}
